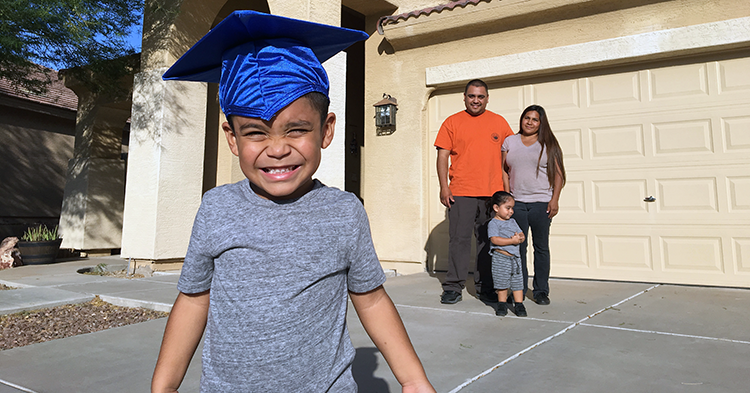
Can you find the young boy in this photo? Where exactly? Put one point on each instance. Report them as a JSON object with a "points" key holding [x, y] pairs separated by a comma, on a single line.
{"points": [[505, 236], [272, 258]]}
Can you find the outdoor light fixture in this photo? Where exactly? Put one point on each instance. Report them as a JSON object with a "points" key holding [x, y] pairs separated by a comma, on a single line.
{"points": [[385, 112]]}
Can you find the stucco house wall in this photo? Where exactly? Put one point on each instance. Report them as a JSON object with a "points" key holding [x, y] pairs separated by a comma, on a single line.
{"points": [[37, 134]]}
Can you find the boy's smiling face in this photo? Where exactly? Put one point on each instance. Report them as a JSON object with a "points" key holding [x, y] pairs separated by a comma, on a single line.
{"points": [[280, 156]]}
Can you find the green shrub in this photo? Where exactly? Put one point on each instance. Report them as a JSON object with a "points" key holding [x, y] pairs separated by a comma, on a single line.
{"points": [[40, 234]]}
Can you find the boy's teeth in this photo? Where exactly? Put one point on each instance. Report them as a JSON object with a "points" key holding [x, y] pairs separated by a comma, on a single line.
{"points": [[278, 170]]}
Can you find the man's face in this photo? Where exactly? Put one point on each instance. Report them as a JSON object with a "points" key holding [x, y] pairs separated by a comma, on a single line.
{"points": [[280, 156], [476, 99]]}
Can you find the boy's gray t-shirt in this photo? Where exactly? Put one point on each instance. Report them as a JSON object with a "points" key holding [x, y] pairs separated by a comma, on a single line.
{"points": [[506, 229], [278, 275]]}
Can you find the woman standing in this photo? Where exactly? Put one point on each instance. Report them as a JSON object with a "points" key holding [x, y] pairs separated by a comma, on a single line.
{"points": [[535, 175]]}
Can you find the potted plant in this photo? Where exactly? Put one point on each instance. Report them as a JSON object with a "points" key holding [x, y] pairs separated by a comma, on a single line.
{"points": [[39, 245]]}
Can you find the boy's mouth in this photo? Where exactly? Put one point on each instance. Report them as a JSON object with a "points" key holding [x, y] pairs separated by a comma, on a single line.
{"points": [[280, 170]]}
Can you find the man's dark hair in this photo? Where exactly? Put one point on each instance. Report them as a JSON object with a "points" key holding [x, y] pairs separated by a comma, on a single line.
{"points": [[477, 83]]}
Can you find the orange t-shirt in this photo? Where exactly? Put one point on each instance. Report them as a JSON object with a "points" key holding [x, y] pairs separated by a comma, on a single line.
{"points": [[474, 143]]}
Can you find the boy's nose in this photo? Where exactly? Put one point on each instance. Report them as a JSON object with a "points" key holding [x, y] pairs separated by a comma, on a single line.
{"points": [[278, 148]]}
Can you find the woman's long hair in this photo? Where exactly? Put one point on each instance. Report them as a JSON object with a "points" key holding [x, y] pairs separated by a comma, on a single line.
{"points": [[548, 141]]}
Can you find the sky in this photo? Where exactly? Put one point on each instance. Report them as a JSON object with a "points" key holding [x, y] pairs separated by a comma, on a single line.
{"points": [[135, 38]]}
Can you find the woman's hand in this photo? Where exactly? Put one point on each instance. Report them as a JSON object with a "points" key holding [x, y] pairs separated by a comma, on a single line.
{"points": [[552, 208]]}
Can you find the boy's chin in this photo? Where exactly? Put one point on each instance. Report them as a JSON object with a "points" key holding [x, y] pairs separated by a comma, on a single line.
{"points": [[282, 192]]}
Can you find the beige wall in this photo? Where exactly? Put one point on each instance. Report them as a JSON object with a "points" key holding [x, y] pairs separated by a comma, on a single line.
{"points": [[397, 167], [36, 148]]}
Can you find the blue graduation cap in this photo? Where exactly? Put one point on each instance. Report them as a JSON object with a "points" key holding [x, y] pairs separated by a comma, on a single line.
{"points": [[263, 62]]}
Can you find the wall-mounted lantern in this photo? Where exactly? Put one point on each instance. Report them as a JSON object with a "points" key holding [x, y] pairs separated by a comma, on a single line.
{"points": [[385, 114]]}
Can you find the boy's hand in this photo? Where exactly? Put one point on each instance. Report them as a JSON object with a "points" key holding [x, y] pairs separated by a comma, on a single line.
{"points": [[518, 237]]}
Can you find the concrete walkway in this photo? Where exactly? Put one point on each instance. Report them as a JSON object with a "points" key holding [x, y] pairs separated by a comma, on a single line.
{"points": [[594, 337]]}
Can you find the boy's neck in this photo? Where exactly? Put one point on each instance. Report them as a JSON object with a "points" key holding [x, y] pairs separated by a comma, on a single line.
{"points": [[304, 188], [499, 218]]}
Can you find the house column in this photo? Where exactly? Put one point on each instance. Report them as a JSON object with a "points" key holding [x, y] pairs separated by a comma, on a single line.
{"points": [[91, 214], [165, 169]]}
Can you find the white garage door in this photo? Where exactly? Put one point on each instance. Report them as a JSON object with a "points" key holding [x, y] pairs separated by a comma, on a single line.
{"points": [[679, 134]]}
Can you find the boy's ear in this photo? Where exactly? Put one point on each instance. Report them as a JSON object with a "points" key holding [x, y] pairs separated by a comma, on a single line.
{"points": [[328, 128], [231, 138]]}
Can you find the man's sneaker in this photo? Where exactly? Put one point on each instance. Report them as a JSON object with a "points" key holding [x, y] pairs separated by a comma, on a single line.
{"points": [[501, 310], [450, 297], [520, 310], [541, 299]]}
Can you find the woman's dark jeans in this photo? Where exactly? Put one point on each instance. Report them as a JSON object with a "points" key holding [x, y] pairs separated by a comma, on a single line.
{"points": [[534, 215]]}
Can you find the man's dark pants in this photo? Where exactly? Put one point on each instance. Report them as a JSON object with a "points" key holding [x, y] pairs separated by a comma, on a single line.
{"points": [[468, 215], [535, 215]]}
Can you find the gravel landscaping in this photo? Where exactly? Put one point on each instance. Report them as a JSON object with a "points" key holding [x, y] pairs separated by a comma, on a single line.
{"points": [[36, 326]]}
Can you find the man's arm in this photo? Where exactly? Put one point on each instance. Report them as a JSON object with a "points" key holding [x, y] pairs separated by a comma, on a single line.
{"points": [[384, 326], [181, 337], [446, 197]]}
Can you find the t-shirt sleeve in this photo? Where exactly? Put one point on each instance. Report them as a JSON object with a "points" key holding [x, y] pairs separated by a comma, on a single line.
{"points": [[493, 229], [365, 272], [197, 271], [444, 138], [506, 145]]}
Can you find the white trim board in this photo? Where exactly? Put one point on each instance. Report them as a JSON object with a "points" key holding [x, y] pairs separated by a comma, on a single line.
{"points": [[727, 34]]}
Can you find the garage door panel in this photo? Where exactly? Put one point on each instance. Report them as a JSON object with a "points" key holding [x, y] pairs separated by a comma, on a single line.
{"points": [[734, 75], [684, 253], [571, 250], [623, 88], [557, 95], [736, 132], [680, 137], [687, 195], [571, 143], [620, 196], [681, 81], [741, 255], [620, 141], [624, 252], [509, 100], [573, 200], [739, 194]]}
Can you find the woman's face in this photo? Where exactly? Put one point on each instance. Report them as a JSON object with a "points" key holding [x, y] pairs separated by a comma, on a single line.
{"points": [[530, 123]]}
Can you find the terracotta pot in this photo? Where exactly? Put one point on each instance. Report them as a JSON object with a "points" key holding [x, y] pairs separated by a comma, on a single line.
{"points": [[36, 253]]}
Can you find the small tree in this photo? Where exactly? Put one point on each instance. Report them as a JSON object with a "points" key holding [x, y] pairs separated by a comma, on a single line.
{"points": [[64, 34]]}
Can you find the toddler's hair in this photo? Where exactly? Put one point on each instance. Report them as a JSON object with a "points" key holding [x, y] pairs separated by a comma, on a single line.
{"points": [[501, 197]]}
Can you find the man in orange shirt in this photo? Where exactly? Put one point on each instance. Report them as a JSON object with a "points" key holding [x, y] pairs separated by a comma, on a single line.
{"points": [[470, 140]]}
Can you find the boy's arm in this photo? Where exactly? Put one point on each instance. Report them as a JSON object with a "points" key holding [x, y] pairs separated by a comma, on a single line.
{"points": [[517, 238], [185, 326], [384, 326]]}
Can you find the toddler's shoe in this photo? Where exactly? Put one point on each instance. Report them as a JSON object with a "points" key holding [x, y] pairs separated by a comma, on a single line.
{"points": [[501, 310], [450, 297], [520, 310]]}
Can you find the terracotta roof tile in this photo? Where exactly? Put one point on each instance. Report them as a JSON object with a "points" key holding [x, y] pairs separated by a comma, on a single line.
{"points": [[57, 95], [393, 19]]}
